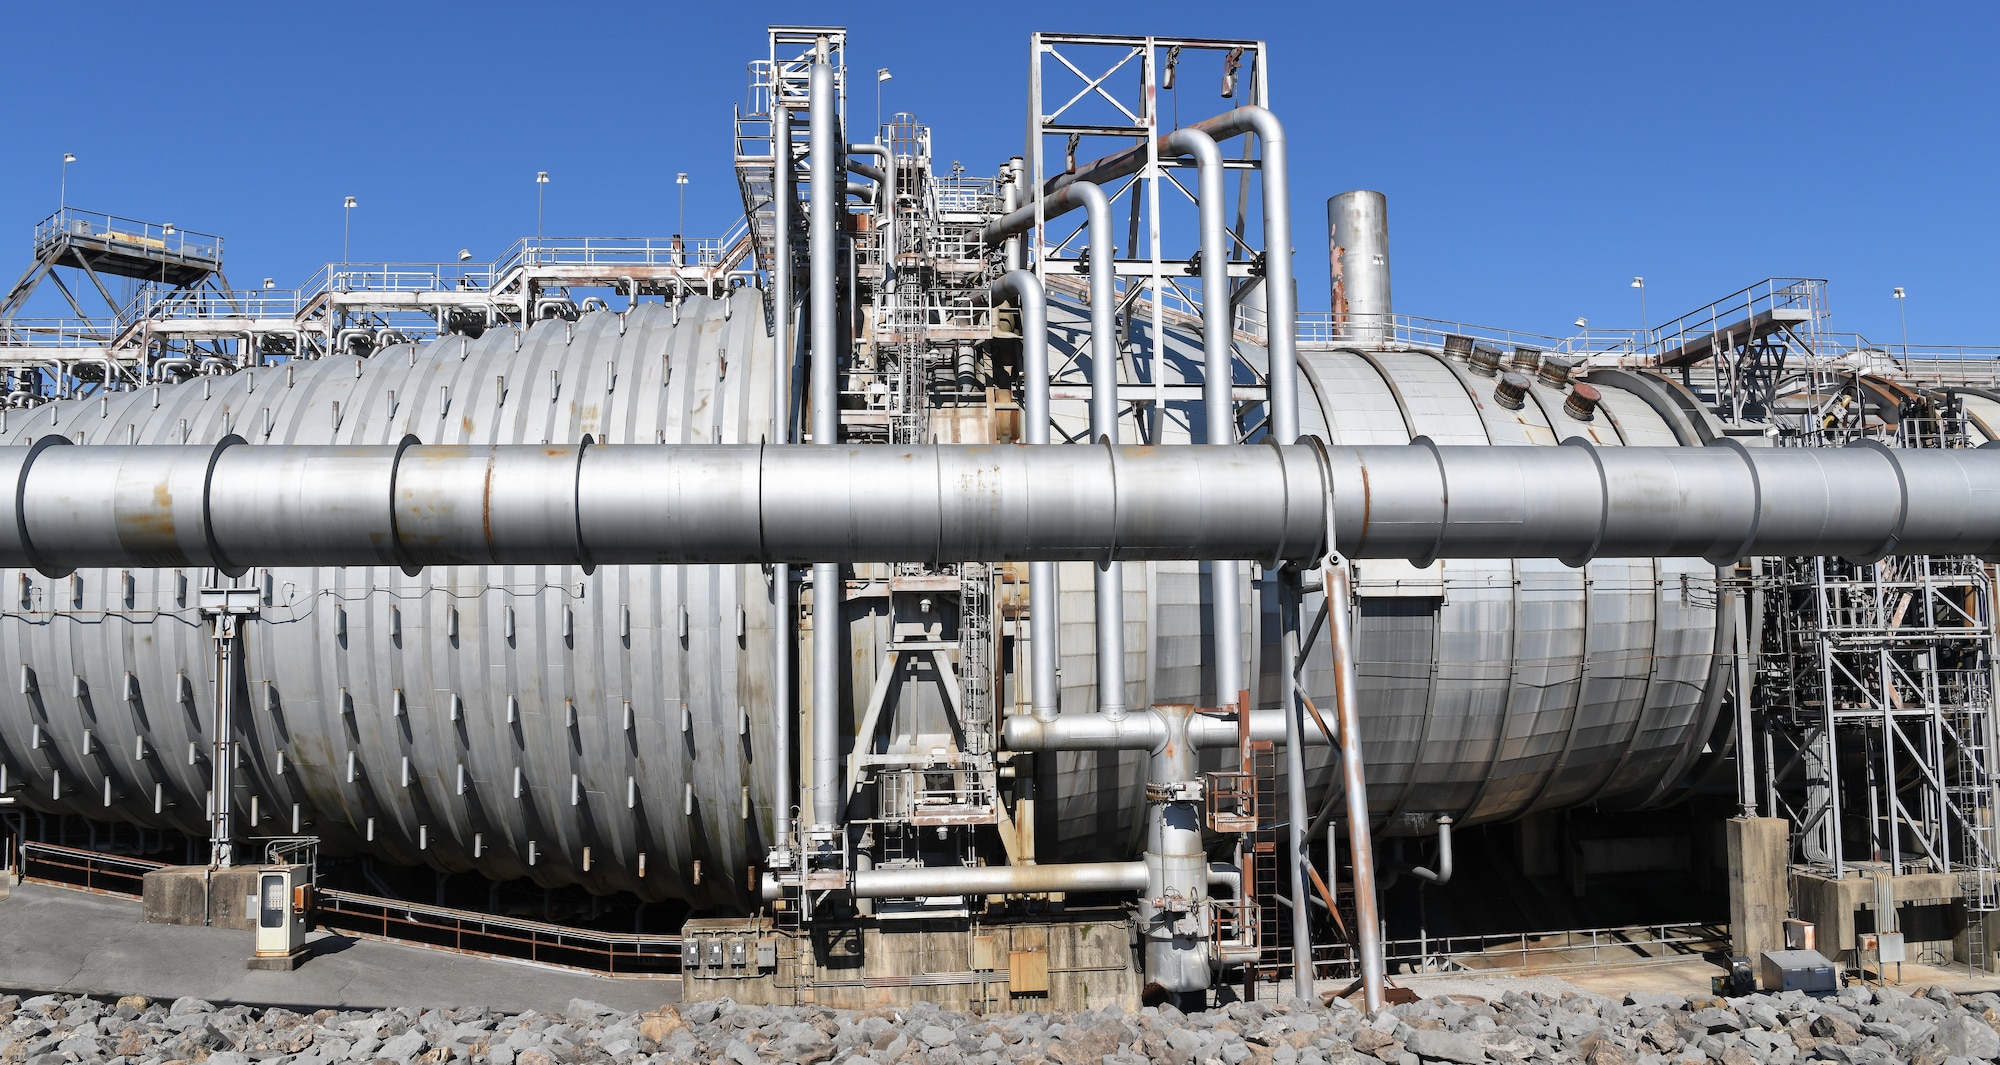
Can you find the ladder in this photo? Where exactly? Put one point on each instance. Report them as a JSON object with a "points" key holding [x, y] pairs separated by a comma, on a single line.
{"points": [[1274, 932]]}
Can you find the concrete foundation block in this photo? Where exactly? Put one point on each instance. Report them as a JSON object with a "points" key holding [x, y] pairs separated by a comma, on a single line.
{"points": [[1758, 890], [199, 895]]}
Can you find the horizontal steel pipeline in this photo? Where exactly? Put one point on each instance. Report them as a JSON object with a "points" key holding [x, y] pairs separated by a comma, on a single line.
{"points": [[911, 881], [1722, 502], [233, 506]]}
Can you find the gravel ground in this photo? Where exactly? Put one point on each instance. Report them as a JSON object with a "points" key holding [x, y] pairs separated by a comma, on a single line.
{"points": [[1931, 1027]]}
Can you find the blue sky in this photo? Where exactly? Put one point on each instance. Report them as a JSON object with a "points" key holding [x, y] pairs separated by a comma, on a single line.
{"points": [[1536, 157]]}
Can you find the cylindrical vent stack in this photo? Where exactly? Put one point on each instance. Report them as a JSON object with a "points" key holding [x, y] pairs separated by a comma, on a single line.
{"points": [[1555, 372], [1582, 402], [1358, 245], [1485, 361]]}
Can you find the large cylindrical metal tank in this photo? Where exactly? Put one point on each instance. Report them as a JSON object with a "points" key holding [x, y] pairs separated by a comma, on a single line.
{"points": [[1357, 225], [515, 721], [1491, 688], [614, 728]]}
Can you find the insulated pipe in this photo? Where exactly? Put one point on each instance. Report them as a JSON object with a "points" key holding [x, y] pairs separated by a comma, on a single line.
{"points": [[1015, 256], [1172, 910], [1140, 730], [829, 591], [233, 506], [1722, 502], [784, 199], [1338, 581], [1299, 857], [1281, 301], [1026, 290], [1123, 877], [1218, 399], [1110, 576]]}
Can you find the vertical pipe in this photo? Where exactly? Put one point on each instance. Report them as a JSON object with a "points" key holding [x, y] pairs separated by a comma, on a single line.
{"points": [[221, 784], [1746, 748], [1360, 841], [1218, 400], [1026, 290], [1296, 817], [885, 206], [784, 198], [1177, 946], [828, 592], [1016, 258], [1281, 291], [1104, 429], [1357, 225]]}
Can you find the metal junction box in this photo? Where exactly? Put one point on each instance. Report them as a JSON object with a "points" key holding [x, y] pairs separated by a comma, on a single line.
{"points": [[1799, 970]]}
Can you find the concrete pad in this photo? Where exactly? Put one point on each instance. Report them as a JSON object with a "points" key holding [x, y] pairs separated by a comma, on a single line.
{"points": [[58, 939]]}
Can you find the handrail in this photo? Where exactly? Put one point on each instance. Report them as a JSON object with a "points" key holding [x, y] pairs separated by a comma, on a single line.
{"points": [[157, 238], [1541, 951], [494, 935]]}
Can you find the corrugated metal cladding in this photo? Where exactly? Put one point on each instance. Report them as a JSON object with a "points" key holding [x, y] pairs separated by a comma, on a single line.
{"points": [[511, 720], [526, 713]]}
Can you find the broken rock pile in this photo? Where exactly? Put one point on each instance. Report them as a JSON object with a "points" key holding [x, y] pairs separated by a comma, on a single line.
{"points": [[1859, 1025]]}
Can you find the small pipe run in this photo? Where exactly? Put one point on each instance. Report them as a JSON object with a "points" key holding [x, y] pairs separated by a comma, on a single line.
{"points": [[1442, 874], [1026, 290], [1218, 399], [829, 590], [885, 204], [1281, 301]]}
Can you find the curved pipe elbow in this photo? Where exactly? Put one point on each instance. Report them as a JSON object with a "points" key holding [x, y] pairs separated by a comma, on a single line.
{"points": [[1442, 874]]}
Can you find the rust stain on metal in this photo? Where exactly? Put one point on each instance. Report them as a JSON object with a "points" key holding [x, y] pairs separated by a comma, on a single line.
{"points": [[486, 507]]}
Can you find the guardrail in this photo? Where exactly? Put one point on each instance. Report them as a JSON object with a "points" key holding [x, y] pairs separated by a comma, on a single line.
{"points": [[491, 935], [1582, 948], [58, 332], [75, 867], [1316, 328], [154, 238], [373, 917], [1773, 293]]}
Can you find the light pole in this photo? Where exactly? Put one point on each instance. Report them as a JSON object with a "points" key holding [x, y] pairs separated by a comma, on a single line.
{"points": [[681, 179], [1903, 312], [346, 225], [680, 229], [541, 180], [62, 202], [881, 76], [1645, 326], [1584, 324]]}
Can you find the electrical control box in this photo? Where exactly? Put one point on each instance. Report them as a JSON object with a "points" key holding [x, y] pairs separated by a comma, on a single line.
{"points": [[284, 902], [1799, 970]]}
